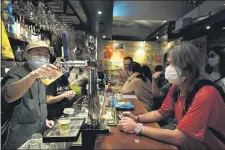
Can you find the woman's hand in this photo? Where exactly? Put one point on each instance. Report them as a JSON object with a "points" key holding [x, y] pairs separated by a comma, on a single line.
{"points": [[127, 125], [49, 123], [156, 75]]}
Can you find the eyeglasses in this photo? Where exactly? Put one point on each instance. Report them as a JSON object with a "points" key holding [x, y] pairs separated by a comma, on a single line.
{"points": [[211, 55]]}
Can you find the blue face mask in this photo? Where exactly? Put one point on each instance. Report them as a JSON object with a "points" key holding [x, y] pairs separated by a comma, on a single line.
{"points": [[36, 62]]}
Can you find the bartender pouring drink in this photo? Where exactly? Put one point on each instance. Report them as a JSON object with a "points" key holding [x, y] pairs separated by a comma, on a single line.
{"points": [[23, 89]]}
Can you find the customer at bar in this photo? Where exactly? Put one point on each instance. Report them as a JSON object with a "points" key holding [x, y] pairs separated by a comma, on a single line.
{"points": [[216, 65], [147, 72], [125, 73], [206, 111], [160, 86], [140, 85], [23, 89]]}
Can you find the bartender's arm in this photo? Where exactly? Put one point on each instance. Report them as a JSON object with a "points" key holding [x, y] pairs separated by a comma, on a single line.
{"points": [[54, 99], [17, 89]]}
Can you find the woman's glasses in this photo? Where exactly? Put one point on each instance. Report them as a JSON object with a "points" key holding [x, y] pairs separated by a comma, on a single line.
{"points": [[211, 56]]}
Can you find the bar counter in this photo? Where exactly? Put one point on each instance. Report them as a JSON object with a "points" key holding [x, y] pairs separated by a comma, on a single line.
{"points": [[119, 140]]}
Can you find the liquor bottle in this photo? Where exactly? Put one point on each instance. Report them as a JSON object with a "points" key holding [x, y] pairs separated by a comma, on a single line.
{"points": [[26, 31], [18, 54], [29, 32], [22, 27], [18, 26]]}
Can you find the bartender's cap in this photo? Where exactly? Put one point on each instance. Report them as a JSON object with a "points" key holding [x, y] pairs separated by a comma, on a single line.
{"points": [[36, 44]]}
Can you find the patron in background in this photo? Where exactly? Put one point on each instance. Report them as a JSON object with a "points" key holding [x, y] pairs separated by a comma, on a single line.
{"points": [[140, 85], [216, 65], [147, 72], [160, 86], [198, 124], [126, 72], [23, 90]]}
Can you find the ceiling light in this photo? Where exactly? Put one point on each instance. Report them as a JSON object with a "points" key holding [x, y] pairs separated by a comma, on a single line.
{"points": [[157, 37], [99, 12], [208, 27], [165, 21], [104, 36], [223, 28]]}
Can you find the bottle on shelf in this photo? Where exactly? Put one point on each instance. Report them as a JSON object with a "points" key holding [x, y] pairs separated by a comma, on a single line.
{"points": [[18, 54], [29, 32], [17, 26], [22, 27], [26, 31]]}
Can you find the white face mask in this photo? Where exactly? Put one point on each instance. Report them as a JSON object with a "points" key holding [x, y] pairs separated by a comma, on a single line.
{"points": [[36, 62], [213, 62], [174, 75]]}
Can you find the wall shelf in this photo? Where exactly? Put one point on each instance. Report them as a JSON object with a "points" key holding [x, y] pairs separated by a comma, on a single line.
{"points": [[17, 37]]}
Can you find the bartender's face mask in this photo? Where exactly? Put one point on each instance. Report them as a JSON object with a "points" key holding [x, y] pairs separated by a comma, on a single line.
{"points": [[37, 57]]}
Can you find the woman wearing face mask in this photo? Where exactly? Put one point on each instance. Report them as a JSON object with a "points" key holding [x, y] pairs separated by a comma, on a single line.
{"points": [[216, 65], [140, 85], [23, 90], [206, 112]]}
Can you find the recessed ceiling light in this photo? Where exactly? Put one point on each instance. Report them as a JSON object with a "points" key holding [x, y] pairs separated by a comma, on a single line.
{"points": [[208, 27], [157, 37], [223, 28], [99, 12], [104, 36]]}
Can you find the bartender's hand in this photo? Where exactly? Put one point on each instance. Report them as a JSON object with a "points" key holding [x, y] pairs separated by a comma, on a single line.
{"points": [[130, 115], [49, 123], [156, 75], [127, 125], [69, 94], [45, 71]]}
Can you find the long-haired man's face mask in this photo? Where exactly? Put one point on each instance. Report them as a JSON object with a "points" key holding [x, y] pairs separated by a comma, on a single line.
{"points": [[36, 61], [174, 75]]}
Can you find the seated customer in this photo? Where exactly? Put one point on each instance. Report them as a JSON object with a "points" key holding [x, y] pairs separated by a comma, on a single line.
{"points": [[147, 72], [216, 65], [197, 123], [140, 85]]}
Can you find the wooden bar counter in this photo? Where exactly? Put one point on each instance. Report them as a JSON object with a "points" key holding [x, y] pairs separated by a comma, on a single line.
{"points": [[119, 140]]}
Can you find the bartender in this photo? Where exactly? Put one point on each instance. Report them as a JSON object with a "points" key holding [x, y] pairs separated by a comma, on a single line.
{"points": [[22, 87], [59, 95]]}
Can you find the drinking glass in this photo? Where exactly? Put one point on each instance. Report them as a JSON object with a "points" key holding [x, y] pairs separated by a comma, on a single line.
{"points": [[61, 70], [64, 125]]}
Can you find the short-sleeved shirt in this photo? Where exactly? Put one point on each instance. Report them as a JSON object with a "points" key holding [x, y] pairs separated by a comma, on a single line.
{"points": [[56, 88], [207, 110], [30, 113]]}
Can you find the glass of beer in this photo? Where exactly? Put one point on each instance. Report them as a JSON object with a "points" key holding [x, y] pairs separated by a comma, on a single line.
{"points": [[60, 72], [64, 125]]}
